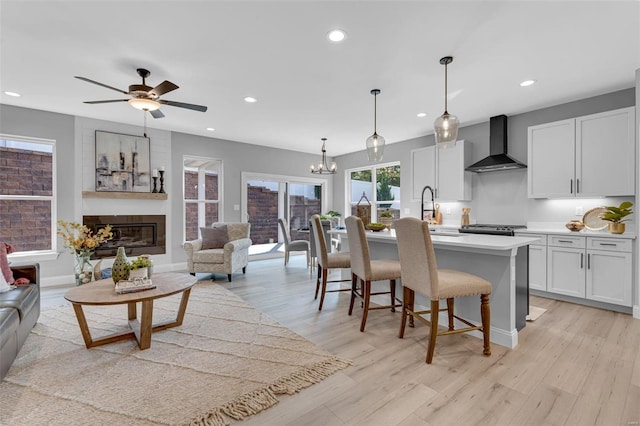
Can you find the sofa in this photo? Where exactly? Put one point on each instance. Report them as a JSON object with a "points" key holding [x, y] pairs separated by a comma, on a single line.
{"points": [[228, 258], [19, 312]]}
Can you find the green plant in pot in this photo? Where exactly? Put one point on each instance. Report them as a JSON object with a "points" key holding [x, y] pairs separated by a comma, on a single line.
{"points": [[616, 216], [333, 216], [138, 267], [386, 217]]}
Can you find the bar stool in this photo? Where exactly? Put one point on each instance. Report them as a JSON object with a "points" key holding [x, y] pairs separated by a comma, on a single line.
{"points": [[366, 270], [326, 260], [420, 274]]}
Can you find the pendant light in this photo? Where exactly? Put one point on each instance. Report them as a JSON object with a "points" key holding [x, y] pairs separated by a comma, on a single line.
{"points": [[322, 167], [446, 126], [375, 142]]}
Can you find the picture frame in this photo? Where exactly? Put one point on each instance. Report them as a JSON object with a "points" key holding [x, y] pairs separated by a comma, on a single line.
{"points": [[122, 162]]}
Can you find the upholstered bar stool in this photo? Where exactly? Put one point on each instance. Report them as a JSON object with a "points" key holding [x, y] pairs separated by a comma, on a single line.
{"points": [[295, 245], [367, 270], [326, 260], [420, 274]]}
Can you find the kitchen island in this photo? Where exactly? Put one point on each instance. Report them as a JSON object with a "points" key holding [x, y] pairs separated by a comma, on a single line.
{"points": [[501, 260]]}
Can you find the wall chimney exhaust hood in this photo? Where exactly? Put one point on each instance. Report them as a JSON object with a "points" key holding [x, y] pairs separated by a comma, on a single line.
{"points": [[498, 158]]}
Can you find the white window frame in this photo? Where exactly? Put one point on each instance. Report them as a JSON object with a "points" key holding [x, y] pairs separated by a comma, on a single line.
{"points": [[49, 254], [201, 201], [374, 192]]}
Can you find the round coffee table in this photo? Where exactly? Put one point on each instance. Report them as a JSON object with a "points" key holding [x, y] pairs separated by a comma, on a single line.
{"points": [[103, 293]]}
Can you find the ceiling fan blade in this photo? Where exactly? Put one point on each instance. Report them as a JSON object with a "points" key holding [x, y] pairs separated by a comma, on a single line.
{"points": [[162, 88], [100, 84], [156, 113], [106, 102], [183, 105]]}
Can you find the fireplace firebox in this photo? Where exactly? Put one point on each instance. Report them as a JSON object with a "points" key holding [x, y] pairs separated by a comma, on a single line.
{"points": [[138, 234]]}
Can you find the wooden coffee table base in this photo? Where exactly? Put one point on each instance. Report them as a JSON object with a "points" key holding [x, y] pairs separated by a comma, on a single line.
{"points": [[141, 330]]}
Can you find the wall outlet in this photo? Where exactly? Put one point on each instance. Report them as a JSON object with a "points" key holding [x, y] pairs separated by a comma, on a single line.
{"points": [[447, 210], [236, 207], [407, 211], [579, 211]]}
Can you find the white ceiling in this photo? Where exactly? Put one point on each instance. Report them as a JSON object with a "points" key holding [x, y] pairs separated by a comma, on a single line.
{"points": [[218, 52]]}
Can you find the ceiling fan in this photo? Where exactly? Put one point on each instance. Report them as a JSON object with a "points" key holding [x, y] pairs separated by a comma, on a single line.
{"points": [[144, 97]]}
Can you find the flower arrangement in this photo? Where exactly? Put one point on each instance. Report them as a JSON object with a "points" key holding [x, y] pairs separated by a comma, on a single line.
{"points": [[80, 239]]}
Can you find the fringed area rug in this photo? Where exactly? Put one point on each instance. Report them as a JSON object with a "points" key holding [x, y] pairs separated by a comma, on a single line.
{"points": [[227, 361]]}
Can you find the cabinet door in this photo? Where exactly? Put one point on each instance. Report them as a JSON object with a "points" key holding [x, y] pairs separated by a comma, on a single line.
{"points": [[609, 277], [454, 183], [423, 170], [566, 271], [551, 160], [605, 144], [538, 268]]}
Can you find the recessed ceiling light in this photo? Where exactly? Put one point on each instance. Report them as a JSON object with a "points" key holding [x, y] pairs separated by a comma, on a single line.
{"points": [[14, 94], [422, 114], [527, 83], [250, 99], [211, 129], [336, 36]]}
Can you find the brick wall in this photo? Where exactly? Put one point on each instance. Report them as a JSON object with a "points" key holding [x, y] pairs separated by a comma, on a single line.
{"points": [[26, 224]]}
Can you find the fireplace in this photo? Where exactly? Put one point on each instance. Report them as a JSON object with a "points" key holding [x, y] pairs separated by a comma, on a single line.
{"points": [[138, 234]]}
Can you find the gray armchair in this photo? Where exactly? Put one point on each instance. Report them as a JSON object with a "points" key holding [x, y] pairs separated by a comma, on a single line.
{"points": [[226, 260]]}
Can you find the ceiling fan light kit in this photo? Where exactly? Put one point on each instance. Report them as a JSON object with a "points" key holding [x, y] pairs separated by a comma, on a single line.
{"points": [[446, 126], [322, 168], [375, 142], [146, 98]]}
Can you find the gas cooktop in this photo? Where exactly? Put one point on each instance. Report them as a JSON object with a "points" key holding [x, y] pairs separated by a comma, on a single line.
{"points": [[490, 229]]}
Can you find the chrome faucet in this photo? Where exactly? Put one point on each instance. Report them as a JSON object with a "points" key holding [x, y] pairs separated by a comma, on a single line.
{"points": [[433, 205]]}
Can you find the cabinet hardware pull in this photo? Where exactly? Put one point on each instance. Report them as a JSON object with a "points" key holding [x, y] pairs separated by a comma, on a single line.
{"points": [[581, 260], [608, 244], [577, 186], [589, 261], [565, 241], [571, 186]]}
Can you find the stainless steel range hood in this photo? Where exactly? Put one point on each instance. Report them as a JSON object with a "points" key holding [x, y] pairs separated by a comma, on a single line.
{"points": [[498, 158]]}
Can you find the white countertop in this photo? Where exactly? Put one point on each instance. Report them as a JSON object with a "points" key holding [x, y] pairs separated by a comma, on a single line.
{"points": [[475, 241], [584, 233]]}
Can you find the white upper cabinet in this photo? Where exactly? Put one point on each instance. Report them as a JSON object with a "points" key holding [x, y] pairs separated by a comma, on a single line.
{"points": [[575, 158], [443, 170]]}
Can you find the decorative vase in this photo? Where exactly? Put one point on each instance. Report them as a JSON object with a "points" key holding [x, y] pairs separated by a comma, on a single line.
{"points": [[386, 221], [83, 268], [138, 273], [119, 269], [149, 268], [616, 227]]}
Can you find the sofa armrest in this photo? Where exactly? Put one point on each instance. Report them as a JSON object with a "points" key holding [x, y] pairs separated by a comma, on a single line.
{"points": [[30, 271], [192, 246], [236, 245]]}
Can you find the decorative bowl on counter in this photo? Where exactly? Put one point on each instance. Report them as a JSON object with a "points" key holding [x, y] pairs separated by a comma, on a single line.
{"points": [[575, 225], [376, 227]]}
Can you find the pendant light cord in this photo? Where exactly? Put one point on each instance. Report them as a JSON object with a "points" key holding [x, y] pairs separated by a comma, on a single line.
{"points": [[145, 123], [375, 113], [445, 89]]}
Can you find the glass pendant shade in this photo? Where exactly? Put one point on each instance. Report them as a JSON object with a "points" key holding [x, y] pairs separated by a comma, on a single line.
{"points": [[375, 147], [446, 129]]}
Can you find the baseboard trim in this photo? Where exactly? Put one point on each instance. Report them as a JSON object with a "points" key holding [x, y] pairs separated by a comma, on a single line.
{"points": [[636, 311]]}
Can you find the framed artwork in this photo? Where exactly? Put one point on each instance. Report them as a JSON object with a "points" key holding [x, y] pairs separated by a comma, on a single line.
{"points": [[122, 163]]}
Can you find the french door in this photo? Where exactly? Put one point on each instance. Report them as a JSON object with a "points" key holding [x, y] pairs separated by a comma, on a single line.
{"points": [[269, 197]]}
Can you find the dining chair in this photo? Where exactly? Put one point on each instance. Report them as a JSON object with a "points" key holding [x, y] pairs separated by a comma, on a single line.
{"points": [[365, 270], [420, 274], [295, 245], [326, 261]]}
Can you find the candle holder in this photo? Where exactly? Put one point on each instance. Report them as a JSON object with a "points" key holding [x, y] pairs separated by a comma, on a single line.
{"points": [[161, 182], [155, 184]]}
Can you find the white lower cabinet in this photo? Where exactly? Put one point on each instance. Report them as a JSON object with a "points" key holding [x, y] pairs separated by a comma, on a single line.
{"points": [[591, 268]]}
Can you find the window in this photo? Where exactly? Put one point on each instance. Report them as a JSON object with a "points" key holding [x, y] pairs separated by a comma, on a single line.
{"points": [[202, 189], [27, 193], [383, 193]]}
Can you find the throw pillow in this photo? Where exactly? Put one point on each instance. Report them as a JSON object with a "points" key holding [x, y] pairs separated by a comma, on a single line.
{"points": [[4, 262], [213, 238]]}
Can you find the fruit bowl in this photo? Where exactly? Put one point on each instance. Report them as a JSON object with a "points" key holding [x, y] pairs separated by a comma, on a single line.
{"points": [[575, 225], [376, 227]]}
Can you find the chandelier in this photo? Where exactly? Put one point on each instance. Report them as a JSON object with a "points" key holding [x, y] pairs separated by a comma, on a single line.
{"points": [[322, 168]]}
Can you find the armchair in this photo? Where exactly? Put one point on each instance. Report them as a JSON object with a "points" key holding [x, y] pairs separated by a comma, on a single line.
{"points": [[226, 260]]}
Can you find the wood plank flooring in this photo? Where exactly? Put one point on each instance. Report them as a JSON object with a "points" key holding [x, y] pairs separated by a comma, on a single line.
{"points": [[575, 365]]}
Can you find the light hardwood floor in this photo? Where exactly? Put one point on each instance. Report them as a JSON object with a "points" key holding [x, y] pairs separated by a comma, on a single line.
{"points": [[574, 365]]}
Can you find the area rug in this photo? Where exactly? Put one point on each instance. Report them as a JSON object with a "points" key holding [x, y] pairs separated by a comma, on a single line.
{"points": [[226, 362], [535, 313]]}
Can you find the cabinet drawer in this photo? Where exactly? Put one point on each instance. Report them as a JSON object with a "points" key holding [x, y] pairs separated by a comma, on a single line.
{"points": [[566, 241], [542, 238], [609, 244]]}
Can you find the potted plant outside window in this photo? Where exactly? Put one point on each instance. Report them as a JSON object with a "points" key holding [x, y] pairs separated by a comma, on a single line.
{"points": [[616, 216]]}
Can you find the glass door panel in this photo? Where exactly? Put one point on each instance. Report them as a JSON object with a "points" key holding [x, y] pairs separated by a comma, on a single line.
{"points": [[264, 207], [305, 200]]}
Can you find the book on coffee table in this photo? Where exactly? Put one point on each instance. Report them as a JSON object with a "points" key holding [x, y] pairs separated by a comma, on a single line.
{"points": [[135, 285]]}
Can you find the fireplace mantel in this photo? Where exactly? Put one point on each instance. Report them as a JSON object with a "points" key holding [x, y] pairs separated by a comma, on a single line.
{"points": [[125, 195]]}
